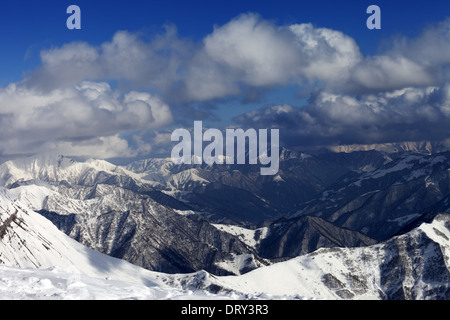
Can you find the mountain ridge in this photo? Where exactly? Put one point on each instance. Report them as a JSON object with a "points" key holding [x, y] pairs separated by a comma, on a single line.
{"points": [[412, 266], [312, 247], [304, 208]]}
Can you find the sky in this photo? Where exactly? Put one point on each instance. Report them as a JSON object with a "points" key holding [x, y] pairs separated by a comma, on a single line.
{"points": [[136, 70]]}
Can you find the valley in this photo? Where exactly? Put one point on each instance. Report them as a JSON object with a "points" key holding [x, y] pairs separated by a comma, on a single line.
{"points": [[178, 220]]}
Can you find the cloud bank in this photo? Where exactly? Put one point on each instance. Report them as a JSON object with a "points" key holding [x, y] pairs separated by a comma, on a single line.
{"points": [[85, 120], [118, 98], [410, 114]]}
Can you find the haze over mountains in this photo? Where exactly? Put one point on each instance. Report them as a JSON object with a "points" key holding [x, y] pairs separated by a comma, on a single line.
{"points": [[212, 227]]}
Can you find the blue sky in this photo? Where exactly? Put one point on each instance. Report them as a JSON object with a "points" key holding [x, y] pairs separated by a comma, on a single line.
{"points": [[30, 26], [172, 62]]}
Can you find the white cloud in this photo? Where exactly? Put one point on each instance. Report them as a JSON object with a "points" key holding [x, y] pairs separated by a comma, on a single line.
{"points": [[260, 53], [99, 148], [67, 102], [409, 114], [147, 107], [382, 73], [248, 51], [328, 55], [87, 117], [65, 66]]}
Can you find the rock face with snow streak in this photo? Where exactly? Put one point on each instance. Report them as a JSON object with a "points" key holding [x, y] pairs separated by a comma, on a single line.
{"points": [[414, 265], [370, 197], [160, 216], [28, 240], [288, 238], [108, 209], [380, 202]]}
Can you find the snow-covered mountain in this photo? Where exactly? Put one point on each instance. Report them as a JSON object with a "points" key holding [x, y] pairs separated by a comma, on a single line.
{"points": [[53, 168], [424, 147], [217, 228], [414, 265], [112, 211], [331, 199], [381, 201], [141, 212], [120, 213], [256, 199], [39, 261]]}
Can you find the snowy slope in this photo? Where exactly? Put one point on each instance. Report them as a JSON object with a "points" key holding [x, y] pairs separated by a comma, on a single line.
{"points": [[56, 284], [130, 226], [53, 168], [40, 262], [28, 240], [415, 265], [250, 237], [37, 261]]}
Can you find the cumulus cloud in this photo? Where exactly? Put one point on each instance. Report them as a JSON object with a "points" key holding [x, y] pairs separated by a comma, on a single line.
{"points": [[67, 102], [382, 73], [248, 52], [126, 59], [399, 95], [421, 61], [89, 116], [100, 148], [410, 114], [258, 52], [327, 55]]}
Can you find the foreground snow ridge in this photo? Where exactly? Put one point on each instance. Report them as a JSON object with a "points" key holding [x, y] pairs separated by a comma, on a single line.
{"points": [[55, 284], [38, 261], [412, 266]]}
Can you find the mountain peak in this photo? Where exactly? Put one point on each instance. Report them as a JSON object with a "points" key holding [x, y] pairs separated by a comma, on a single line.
{"points": [[44, 159], [423, 147], [43, 166]]}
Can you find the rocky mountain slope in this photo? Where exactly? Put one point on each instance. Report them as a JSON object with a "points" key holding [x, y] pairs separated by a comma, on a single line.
{"points": [[411, 266], [38, 261], [109, 211], [353, 226], [380, 202], [289, 238], [256, 199], [178, 218]]}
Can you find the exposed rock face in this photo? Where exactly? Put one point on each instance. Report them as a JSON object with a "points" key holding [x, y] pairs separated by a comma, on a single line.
{"points": [[162, 217], [380, 202], [134, 227], [411, 266], [288, 238], [256, 198], [108, 209]]}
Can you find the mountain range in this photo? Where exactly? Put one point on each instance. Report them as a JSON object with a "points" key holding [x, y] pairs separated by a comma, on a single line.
{"points": [[213, 228]]}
